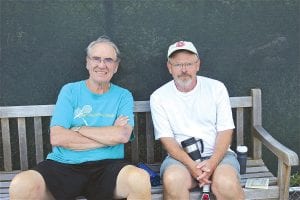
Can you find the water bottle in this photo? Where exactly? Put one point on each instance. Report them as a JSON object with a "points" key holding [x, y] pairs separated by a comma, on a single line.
{"points": [[205, 192], [154, 177], [193, 147], [242, 158]]}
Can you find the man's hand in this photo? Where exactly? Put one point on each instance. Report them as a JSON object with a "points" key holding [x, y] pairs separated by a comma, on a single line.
{"points": [[207, 168], [194, 170], [121, 121]]}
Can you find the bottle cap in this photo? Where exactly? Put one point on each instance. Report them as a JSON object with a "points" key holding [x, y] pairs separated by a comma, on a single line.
{"points": [[242, 149], [206, 188]]}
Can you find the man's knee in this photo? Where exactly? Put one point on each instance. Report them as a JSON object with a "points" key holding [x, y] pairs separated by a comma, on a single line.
{"points": [[136, 178], [177, 175], [177, 181], [226, 183], [27, 181], [169, 176]]}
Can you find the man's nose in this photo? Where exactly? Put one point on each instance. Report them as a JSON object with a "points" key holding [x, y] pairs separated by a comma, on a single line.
{"points": [[101, 64], [183, 67]]}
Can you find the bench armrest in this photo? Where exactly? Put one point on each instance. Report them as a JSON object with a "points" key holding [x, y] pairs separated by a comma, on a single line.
{"points": [[289, 157]]}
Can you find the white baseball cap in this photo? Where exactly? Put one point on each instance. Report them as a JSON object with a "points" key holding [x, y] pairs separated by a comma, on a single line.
{"points": [[182, 45]]}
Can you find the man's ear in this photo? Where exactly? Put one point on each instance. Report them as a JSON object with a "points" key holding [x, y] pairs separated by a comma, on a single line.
{"points": [[199, 65], [169, 66], [86, 65], [116, 69]]}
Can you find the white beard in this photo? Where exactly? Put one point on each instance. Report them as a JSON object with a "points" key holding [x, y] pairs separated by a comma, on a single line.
{"points": [[183, 84]]}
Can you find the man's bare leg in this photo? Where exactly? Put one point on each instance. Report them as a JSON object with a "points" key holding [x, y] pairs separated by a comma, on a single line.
{"points": [[29, 185], [177, 181], [133, 183], [226, 184]]}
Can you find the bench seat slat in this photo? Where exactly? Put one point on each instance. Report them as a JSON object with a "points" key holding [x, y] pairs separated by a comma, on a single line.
{"points": [[4, 184], [272, 181], [4, 194], [256, 169], [257, 175], [255, 162], [8, 175]]}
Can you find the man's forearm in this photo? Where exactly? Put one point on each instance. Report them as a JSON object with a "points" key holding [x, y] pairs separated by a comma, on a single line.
{"points": [[86, 144], [71, 139], [109, 135], [222, 144], [175, 150]]}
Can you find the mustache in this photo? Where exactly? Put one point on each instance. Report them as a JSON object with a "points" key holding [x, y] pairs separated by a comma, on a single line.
{"points": [[184, 75]]}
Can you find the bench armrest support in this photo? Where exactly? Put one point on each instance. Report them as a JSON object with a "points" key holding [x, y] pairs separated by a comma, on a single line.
{"points": [[286, 158], [283, 153]]}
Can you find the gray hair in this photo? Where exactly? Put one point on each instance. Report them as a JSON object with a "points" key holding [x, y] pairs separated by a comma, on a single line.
{"points": [[104, 39]]}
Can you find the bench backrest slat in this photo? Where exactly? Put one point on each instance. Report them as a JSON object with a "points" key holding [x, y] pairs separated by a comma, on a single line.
{"points": [[149, 138], [6, 144], [38, 137], [144, 142], [22, 143], [135, 142], [141, 106], [242, 102], [239, 126], [26, 111]]}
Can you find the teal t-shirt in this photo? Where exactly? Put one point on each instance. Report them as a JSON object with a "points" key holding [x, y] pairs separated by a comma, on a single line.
{"points": [[78, 106]]}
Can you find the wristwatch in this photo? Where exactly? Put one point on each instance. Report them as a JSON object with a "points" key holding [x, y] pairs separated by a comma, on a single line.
{"points": [[76, 128]]}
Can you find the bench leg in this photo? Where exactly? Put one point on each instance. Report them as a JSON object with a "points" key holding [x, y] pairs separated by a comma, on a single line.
{"points": [[283, 175]]}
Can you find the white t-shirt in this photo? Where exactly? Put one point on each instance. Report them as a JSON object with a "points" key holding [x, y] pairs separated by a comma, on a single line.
{"points": [[200, 113]]}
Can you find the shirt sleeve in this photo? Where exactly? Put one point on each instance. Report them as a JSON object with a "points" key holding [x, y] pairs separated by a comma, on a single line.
{"points": [[63, 111], [126, 107], [224, 112], [160, 120]]}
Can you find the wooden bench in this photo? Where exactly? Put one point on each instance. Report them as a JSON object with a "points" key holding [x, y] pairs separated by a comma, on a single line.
{"points": [[25, 142]]}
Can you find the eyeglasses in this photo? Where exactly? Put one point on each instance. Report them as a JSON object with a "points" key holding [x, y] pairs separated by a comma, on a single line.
{"points": [[181, 65], [106, 61]]}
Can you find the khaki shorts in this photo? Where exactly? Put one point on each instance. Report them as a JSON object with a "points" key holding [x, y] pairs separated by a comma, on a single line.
{"points": [[230, 158]]}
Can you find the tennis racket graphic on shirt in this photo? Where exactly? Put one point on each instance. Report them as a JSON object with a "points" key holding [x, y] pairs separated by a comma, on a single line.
{"points": [[82, 112]]}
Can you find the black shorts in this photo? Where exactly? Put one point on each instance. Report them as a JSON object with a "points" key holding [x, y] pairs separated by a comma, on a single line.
{"points": [[93, 180]]}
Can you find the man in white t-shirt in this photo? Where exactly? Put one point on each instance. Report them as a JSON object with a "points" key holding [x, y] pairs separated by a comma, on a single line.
{"points": [[194, 106]]}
